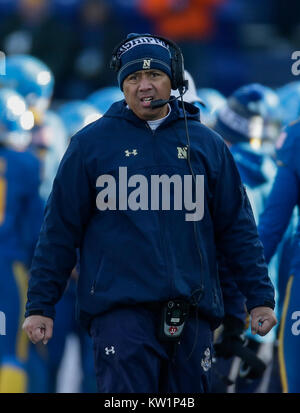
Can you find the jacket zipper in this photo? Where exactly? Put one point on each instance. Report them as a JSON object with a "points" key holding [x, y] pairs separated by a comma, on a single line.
{"points": [[200, 290], [162, 239], [95, 280]]}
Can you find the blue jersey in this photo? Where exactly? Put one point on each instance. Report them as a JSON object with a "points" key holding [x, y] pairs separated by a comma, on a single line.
{"points": [[280, 213], [257, 171], [21, 207], [284, 196]]}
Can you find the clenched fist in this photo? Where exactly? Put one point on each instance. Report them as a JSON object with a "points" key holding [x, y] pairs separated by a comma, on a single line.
{"points": [[263, 319], [38, 328]]}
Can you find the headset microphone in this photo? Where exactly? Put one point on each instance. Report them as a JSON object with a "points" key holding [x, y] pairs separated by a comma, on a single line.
{"points": [[161, 102]]}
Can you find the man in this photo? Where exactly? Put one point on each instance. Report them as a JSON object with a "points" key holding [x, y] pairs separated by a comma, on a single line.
{"points": [[124, 195]]}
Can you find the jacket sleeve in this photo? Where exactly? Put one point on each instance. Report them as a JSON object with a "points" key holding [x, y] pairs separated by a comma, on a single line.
{"points": [[237, 237], [284, 194], [66, 215], [279, 208], [233, 299]]}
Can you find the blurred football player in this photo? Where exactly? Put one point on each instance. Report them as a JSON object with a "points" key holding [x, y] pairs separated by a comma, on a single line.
{"points": [[21, 210], [289, 97], [249, 124], [274, 223], [103, 98], [74, 115], [213, 100]]}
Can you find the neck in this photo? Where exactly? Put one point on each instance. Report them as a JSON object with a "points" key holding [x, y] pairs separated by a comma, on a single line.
{"points": [[161, 113], [164, 115]]}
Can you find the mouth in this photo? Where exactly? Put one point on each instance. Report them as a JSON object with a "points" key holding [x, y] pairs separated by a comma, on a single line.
{"points": [[146, 101]]}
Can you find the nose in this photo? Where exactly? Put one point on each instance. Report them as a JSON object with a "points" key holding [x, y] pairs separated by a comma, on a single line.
{"points": [[145, 83]]}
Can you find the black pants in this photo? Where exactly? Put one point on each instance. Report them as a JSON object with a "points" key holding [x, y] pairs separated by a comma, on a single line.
{"points": [[130, 358]]}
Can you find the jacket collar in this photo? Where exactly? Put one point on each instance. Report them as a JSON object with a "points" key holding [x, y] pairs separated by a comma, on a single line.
{"points": [[120, 110]]}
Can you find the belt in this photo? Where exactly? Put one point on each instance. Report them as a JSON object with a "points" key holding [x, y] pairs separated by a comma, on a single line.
{"points": [[155, 306]]}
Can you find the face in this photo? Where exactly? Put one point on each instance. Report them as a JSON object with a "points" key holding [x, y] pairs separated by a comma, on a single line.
{"points": [[143, 86]]}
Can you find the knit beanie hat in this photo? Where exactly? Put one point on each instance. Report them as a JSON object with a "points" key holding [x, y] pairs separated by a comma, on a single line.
{"points": [[143, 53]]}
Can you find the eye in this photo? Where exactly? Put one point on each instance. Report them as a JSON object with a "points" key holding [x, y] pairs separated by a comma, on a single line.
{"points": [[132, 78]]}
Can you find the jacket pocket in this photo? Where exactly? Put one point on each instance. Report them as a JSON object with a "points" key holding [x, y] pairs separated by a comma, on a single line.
{"points": [[104, 276], [96, 278]]}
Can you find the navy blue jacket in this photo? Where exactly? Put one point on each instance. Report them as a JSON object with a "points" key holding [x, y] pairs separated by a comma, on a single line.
{"points": [[130, 257]]}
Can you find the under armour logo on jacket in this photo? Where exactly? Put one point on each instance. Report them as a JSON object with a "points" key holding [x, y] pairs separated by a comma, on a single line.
{"points": [[133, 152], [109, 351]]}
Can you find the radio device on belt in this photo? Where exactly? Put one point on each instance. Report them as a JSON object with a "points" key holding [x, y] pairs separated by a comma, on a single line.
{"points": [[174, 315]]}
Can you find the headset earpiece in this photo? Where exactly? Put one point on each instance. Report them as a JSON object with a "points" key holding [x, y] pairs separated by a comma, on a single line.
{"points": [[178, 81]]}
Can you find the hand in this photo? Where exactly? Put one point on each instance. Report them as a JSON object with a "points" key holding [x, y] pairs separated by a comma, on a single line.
{"points": [[38, 328], [263, 319], [232, 332]]}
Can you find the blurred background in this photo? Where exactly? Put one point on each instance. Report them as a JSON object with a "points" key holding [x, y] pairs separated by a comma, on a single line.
{"points": [[226, 43]]}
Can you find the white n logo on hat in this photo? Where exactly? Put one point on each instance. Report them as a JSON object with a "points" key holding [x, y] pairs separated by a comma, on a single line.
{"points": [[146, 64]]}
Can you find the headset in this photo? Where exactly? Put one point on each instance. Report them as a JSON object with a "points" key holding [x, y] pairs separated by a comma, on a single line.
{"points": [[178, 80]]}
